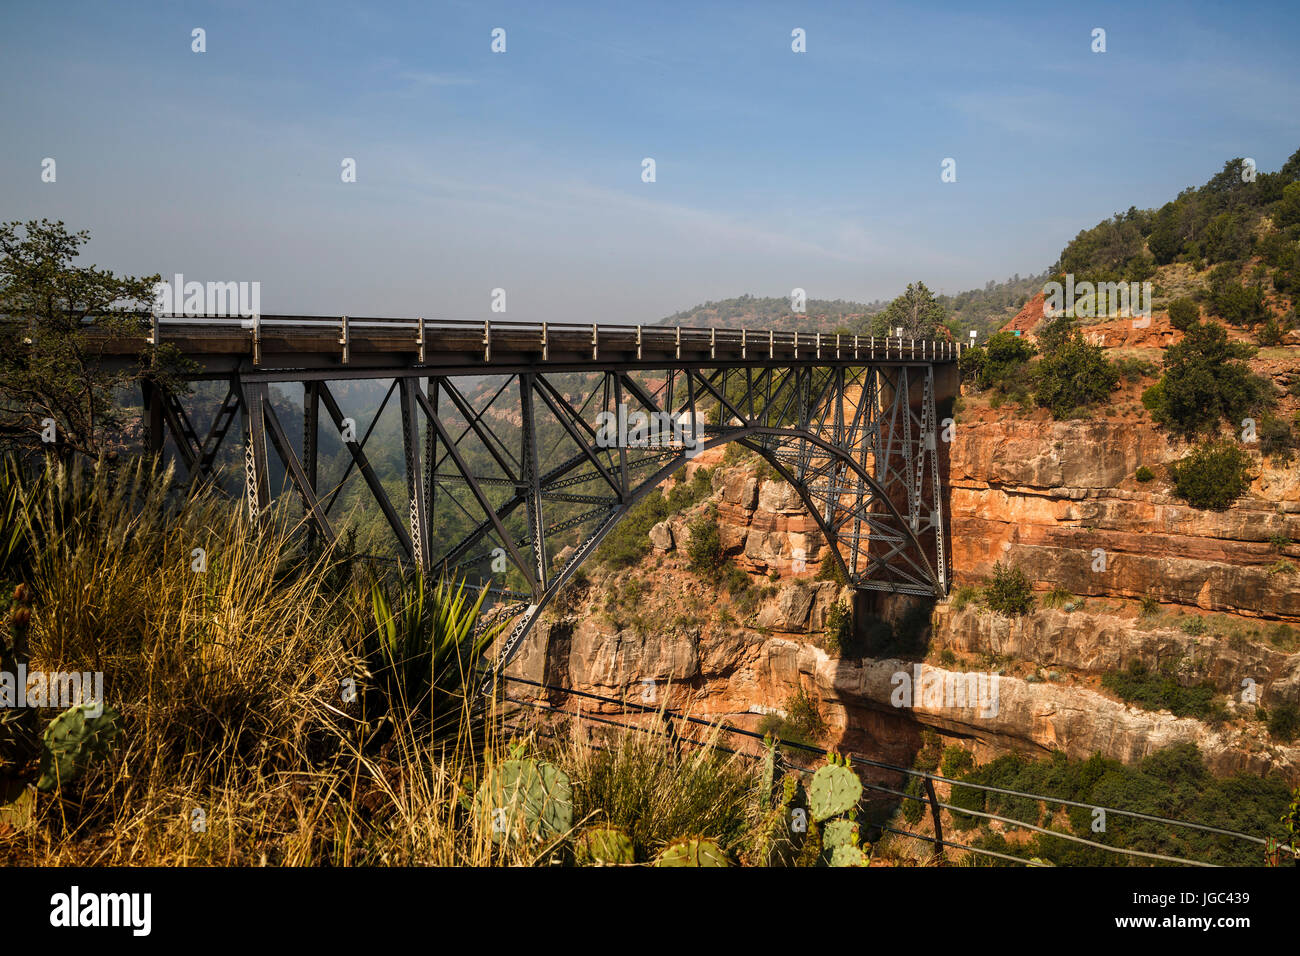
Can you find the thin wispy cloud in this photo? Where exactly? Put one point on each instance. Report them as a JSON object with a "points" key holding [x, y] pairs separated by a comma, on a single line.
{"points": [[423, 80]]}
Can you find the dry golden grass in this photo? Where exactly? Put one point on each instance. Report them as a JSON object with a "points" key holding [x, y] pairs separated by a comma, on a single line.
{"points": [[237, 745]]}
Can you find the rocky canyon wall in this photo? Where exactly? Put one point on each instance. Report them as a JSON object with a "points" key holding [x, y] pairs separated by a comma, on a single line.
{"points": [[1051, 497]]}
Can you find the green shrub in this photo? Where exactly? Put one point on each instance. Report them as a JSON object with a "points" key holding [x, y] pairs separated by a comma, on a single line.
{"points": [[802, 724], [955, 761], [1288, 208], [913, 810], [1000, 363], [1193, 624], [830, 570], [1150, 606], [1206, 382], [734, 579], [1132, 369], [1144, 474], [1269, 334], [1153, 690], [1284, 722], [839, 628], [1072, 374], [1276, 439], [704, 549], [968, 798], [629, 541], [964, 595], [1183, 314], [1213, 476], [1057, 596], [1238, 304], [1009, 592], [1170, 782]]}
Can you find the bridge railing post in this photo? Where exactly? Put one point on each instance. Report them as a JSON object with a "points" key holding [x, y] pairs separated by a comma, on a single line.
{"points": [[934, 815]]}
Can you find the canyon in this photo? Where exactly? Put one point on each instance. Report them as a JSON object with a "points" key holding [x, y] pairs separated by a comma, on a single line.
{"points": [[1120, 568]]}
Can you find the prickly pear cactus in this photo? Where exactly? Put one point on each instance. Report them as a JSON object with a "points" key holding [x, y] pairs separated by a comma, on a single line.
{"points": [[834, 789], [604, 846], [526, 796], [848, 856], [840, 843], [71, 741], [838, 833], [692, 852]]}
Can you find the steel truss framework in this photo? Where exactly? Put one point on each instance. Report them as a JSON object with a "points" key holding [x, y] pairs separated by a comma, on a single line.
{"points": [[527, 471]]}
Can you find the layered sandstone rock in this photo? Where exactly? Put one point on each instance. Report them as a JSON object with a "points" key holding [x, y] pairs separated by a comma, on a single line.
{"points": [[1053, 497], [762, 523], [1048, 495]]}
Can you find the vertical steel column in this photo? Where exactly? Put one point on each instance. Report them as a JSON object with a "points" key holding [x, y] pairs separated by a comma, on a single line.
{"points": [[432, 390], [903, 407], [620, 416], [310, 445], [936, 478], [803, 376], [532, 486], [419, 518], [837, 395], [257, 483], [155, 436]]}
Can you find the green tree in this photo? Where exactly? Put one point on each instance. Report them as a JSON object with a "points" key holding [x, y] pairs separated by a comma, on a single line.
{"points": [[57, 316], [1000, 363], [1183, 313], [704, 549], [1009, 592], [1072, 373], [1288, 209], [915, 311], [1213, 476], [1205, 382]]}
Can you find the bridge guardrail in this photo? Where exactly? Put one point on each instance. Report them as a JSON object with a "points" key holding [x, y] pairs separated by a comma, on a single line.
{"points": [[751, 343]]}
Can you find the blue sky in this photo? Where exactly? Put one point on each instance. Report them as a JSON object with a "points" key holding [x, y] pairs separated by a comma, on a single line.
{"points": [[522, 170]]}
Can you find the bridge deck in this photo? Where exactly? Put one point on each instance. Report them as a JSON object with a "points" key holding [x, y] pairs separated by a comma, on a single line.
{"points": [[356, 347]]}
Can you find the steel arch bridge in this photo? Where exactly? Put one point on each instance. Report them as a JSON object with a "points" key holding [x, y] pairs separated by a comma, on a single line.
{"points": [[525, 444]]}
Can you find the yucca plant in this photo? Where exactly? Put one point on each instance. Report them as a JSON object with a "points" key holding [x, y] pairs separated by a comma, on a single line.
{"points": [[425, 650], [15, 547]]}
